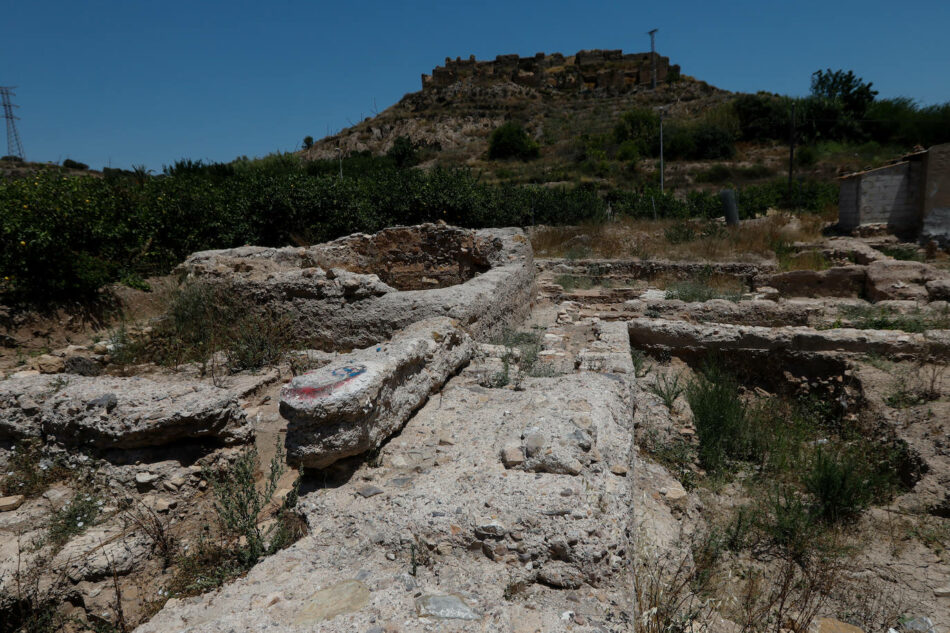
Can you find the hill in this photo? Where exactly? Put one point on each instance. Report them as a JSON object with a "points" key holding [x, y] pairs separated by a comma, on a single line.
{"points": [[558, 99]]}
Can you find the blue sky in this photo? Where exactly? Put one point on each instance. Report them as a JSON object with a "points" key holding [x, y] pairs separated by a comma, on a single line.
{"points": [[130, 82]]}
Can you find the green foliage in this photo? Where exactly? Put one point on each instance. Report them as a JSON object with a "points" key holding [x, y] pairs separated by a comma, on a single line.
{"points": [[694, 290], [667, 387], [64, 238], [239, 503], [404, 153], [29, 471], [871, 317], [511, 140], [762, 117], [574, 282], [639, 130], [307, 142], [853, 93], [721, 419], [69, 163], [841, 485], [75, 517], [903, 252], [11, 159]]}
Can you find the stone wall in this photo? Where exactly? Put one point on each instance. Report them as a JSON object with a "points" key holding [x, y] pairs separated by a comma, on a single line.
{"points": [[605, 70]]}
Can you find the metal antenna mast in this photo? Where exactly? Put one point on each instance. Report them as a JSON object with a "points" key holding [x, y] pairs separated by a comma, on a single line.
{"points": [[652, 35], [14, 147]]}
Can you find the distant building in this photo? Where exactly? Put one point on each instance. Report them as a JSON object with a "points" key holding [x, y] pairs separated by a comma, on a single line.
{"points": [[911, 196]]}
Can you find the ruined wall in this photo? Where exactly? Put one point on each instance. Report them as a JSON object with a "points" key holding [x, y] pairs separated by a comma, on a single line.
{"points": [[936, 195], [608, 70]]}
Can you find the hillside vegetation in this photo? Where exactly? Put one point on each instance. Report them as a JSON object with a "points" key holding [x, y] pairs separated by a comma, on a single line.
{"points": [[473, 156]]}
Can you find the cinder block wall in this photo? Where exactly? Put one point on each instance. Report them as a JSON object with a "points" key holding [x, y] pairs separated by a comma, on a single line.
{"points": [[891, 195], [848, 216]]}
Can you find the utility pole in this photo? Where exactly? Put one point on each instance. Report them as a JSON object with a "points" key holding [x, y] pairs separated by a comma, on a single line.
{"points": [[14, 147], [661, 150], [791, 153], [340, 153], [652, 35]]}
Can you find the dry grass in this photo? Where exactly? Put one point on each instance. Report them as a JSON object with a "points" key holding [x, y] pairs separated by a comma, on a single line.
{"points": [[627, 239]]}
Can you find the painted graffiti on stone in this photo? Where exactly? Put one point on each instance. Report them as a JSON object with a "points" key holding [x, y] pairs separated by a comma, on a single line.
{"points": [[339, 377]]}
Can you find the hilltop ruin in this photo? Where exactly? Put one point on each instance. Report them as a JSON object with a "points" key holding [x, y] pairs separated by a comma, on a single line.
{"points": [[609, 71]]}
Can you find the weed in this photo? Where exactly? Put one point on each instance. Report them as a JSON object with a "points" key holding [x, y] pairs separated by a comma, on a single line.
{"points": [[75, 517], [147, 520], [239, 503], [885, 318], [29, 471], [721, 420], [840, 485], [668, 388], [675, 455], [640, 367], [904, 252]]}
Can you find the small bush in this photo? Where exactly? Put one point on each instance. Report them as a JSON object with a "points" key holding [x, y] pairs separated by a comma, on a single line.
{"points": [[29, 471], [239, 503], [75, 517], [840, 485], [74, 164], [510, 140], [667, 388], [721, 419]]}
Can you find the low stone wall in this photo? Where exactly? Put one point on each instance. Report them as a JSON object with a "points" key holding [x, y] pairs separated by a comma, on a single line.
{"points": [[649, 269], [685, 338], [346, 293]]}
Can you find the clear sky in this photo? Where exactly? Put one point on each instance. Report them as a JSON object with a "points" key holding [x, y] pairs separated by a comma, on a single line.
{"points": [[126, 82]]}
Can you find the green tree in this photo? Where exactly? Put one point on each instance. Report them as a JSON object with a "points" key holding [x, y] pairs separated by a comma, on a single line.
{"points": [[404, 152], [510, 140], [307, 142], [850, 91]]}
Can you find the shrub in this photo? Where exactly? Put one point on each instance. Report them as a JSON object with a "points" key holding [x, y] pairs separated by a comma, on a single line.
{"points": [[307, 142], [29, 471], [11, 159], [667, 387], [510, 140], [239, 504], [641, 127], [404, 153], [74, 164], [840, 485], [722, 423], [762, 117]]}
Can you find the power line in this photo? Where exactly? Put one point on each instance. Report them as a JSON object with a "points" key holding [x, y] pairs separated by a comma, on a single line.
{"points": [[14, 146]]}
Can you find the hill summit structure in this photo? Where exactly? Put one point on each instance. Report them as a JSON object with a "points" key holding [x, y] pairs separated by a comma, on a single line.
{"points": [[604, 70]]}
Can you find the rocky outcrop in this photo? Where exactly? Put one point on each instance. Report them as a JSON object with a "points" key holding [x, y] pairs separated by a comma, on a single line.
{"points": [[894, 279], [357, 402], [111, 412]]}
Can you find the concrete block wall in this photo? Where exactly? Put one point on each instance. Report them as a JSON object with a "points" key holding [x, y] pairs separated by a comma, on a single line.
{"points": [[848, 215], [891, 195]]}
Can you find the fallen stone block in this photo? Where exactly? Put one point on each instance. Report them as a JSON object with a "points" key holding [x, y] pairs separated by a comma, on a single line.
{"points": [[113, 412], [358, 401]]}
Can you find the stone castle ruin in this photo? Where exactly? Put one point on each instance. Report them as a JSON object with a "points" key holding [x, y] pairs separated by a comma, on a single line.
{"points": [[604, 70]]}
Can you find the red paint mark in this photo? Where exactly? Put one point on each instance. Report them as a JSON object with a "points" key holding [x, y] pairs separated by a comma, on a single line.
{"points": [[345, 374]]}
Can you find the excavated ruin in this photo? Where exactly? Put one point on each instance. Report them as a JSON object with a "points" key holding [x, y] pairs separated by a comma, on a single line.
{"points": [[481, 445]]}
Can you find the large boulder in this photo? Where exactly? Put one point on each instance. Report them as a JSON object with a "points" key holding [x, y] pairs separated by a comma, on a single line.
{"points": [[358, 401], [896, 279], [118, 412]]}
